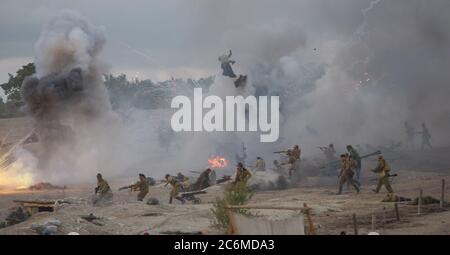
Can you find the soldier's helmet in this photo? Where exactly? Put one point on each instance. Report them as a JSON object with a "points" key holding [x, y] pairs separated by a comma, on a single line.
{"points": [[167, 176], [349, 147], [142, 175], [240, 164], [296, 147], [380, 157], [99, 175], [208, 170]]}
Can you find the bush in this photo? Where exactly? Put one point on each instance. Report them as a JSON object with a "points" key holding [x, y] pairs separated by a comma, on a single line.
{"points": [[237, 194]]}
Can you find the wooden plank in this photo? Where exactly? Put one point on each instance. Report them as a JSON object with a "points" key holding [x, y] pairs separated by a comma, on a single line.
{"points": [[355, 224], [419, 202], [35, 202], [442, 194], [397, 213], [264, 207]]}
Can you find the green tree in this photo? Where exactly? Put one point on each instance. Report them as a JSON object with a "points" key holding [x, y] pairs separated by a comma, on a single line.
{"points": [[12, 87]]}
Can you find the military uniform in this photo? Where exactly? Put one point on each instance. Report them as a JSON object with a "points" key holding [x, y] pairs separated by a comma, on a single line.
{"points": [[142, 187], [383, 170], [242, 175], [103, 192], [346, 175], [176, 188], [260, 165], [357, 159], [296, 153]]}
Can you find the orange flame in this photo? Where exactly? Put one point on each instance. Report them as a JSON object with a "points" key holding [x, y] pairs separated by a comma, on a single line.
{"points": [[218, 162]]}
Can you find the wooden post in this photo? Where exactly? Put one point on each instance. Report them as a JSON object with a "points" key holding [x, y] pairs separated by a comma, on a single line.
{"points": [[384, 216], [231, 225], [397, 213], [311, 228], [355, 225], [419, 202], [373, 222], [442, 193]]}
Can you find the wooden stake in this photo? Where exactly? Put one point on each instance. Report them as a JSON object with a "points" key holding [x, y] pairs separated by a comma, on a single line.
{"points": [[397, 213], [384, 216], [311, 228], [355, 225], [442, 193], [373, 222], [419, 202]]}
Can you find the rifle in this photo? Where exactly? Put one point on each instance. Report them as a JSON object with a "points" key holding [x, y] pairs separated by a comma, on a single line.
{"points": [[127, 187], [280, 152], [362, 157]]}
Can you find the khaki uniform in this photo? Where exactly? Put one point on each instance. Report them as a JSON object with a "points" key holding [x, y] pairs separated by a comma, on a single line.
{"points": [[383, 170], [296, 153], [346, 175], [242, 175], [260, 165], [103, 192], [142, 187], [176, 188]]}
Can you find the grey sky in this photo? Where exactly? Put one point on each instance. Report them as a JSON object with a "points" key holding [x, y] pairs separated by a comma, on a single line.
{"points": [[179, 37]]}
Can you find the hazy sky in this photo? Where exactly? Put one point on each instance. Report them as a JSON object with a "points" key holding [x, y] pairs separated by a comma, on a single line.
{"points": [[158, 38]]}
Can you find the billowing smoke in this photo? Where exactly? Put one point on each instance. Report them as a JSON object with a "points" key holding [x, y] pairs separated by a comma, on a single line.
{"points": [[68, 100], [347, 73]]}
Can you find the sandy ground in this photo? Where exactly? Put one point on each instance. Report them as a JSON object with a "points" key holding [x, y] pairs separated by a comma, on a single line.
{"points": [[331, 213]]}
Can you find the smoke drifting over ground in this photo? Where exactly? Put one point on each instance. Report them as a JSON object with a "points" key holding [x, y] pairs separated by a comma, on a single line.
{"points": [[347, 73]]}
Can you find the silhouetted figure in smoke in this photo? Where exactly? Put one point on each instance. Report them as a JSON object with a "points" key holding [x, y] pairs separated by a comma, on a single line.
{"points": [[225, 63], [409, 135], [426, 137]]}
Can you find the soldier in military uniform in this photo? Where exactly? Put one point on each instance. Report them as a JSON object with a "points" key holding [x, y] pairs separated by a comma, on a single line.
{"points": [[260, 164], [103, 192], [141, 186], [203, 181], [357, 159], [176, 188], [346, 174], [242, 174], [383, 170], [296, 152]]}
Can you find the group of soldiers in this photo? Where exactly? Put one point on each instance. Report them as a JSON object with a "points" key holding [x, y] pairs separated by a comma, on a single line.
{"points": [[103, 193], [349, 173], [350, 170]]}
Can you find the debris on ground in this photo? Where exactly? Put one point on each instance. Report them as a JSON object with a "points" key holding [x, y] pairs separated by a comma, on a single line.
{"points": [[152, 214], [45, 186], [394, 198], [49, 227], [15, 216], [427, 200], [152, 201], [93, 219]]}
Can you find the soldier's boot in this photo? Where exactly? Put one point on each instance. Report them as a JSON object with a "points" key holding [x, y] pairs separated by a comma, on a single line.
{"points": [[380, 183], [170, 200]]}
